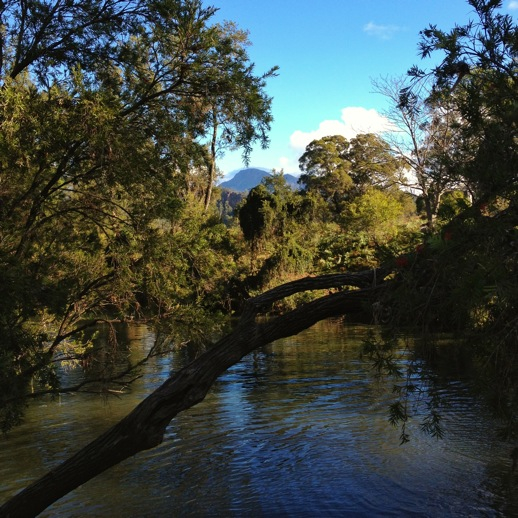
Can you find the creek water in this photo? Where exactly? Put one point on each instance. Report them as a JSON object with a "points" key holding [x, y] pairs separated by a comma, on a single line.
{"points": [[298, 428]]}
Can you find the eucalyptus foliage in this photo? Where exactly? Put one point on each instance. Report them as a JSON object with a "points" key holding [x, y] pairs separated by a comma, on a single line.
{"points": [[106, 115]]}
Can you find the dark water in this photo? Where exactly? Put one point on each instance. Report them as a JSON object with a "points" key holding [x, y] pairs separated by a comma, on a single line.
{"points": [[297, 429]]}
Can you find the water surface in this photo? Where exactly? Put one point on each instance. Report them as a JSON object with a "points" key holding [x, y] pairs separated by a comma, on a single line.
{"points": [[299, 428]]}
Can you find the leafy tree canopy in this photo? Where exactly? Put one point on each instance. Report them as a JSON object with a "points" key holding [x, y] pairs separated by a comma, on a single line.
{"points": [[105, 112], [338, 169], [477, 78], [464, 276]]}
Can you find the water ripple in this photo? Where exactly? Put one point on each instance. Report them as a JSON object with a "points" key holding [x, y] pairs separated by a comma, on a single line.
{"points": [[296, 429]]}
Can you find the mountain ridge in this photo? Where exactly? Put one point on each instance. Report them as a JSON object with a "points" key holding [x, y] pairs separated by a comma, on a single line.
{"points": [[247, 179]]}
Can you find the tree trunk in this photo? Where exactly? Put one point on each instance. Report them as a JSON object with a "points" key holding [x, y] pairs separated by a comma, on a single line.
{"points": [[212, 161], [145, 426], [429, 213]]}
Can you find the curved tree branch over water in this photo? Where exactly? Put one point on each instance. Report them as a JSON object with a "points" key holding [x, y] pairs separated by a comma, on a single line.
{"points": [[145, 426]]}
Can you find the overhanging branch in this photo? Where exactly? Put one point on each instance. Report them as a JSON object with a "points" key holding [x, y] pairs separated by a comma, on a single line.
{"points": [[145, 426]]}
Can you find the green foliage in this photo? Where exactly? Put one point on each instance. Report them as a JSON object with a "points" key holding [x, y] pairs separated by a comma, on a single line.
{"points": [[465, 277], [426, 141], [105, 115], [188, 262], [353, 184], [382, 351], [288, 260], [452, 204], [274, 221], [477, 77], [463, 280], [252, 217], [338, 170], [414, 389], [462, 277], [375, 212], [326, 169], [351, 251]]}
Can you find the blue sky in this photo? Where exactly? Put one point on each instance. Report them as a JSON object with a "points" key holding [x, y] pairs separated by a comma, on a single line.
{"points": [[328, 53]]}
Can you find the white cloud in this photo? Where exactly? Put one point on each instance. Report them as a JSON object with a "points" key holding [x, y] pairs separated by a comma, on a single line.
{"points": [[513, 5], [285, 162], [384, 32], [289, 164], [354, 120]]}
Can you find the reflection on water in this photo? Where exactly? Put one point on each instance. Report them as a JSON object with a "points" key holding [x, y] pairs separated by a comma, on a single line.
{"points": [[299, 428]]}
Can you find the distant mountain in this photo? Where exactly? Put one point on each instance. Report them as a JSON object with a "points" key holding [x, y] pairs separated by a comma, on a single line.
{"points": [[247, 179], [292, 180]]}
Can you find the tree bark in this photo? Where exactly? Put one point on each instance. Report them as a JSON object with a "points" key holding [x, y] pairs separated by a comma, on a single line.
{"points": [[145, 426], [212, 159]]}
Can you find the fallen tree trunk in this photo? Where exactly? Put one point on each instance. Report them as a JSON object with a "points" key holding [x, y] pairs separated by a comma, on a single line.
{"points": [[145, 426]]}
